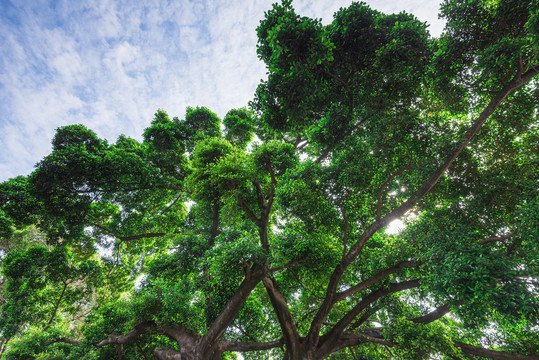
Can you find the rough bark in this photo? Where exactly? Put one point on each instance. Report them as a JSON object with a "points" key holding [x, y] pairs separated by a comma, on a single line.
{"points": [[187, 340], [127, 338], [168, 354], [69, 341]]}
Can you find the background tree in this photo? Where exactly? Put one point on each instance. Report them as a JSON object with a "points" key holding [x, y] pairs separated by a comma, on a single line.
{"points": [[211, 243]]}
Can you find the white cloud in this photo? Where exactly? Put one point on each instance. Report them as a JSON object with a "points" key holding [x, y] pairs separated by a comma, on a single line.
{"points": [[111, 64]]}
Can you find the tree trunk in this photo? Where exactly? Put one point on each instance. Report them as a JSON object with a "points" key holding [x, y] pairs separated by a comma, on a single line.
{"points": [[168, 354]]}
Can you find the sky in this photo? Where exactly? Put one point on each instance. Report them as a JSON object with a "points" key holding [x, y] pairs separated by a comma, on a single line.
{"points": [[110, 64]]}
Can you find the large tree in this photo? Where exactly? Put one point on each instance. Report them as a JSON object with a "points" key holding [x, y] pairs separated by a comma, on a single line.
{"points": [[210, 243]]}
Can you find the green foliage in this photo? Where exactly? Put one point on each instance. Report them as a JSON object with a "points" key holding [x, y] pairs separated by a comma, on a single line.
{"points": [[296, 242], [31, 346], [324, 79], [177, 231], [36, 275], [5, 226], [218, 169], [303, 194], [485, 42], [18, 205], [200, 123], [418, 340], [274, 157], [239, 127]]}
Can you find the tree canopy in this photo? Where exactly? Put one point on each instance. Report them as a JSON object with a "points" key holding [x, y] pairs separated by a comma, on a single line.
{"points": [[265, 233]]}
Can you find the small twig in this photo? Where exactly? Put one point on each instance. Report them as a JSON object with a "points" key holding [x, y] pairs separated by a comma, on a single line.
{"points": [[346, 229], [141, 351], [382, 188], [172, 204]]}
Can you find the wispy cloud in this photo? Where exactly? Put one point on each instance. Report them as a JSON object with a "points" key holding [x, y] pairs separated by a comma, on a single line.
{"points": [[111, 64]]}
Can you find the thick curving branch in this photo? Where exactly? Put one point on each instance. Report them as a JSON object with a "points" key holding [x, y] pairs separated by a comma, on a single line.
{"points": [[65, 340], [335, 333], [492, 354], [373, 280], [434, 315], [138, 330], [375, 337], [286, 321]]}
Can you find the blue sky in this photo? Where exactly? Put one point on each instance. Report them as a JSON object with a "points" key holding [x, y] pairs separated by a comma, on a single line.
{"points": [[111, 64]]}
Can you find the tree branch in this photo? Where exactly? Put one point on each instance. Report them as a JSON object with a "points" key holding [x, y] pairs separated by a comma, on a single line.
{"points": [[69, 341], [250, 214], [99, 187], [259, 195], [131, 237], [348, 340], [234, 305], [433, 315], [362, 319], [493, 354], [346, 228], [373, 280], [172, 204], [182, 335], [215, 221], [354, 251], [353, 353], [286, 321], [141, 236], [374, 340], [56, 307], [130, 336], [162, 353], [141, 351], [333, 335], [341, 137], [497, 238], [272, 174]]}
